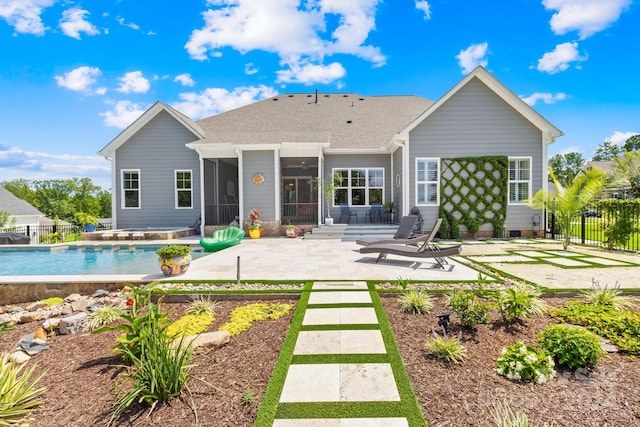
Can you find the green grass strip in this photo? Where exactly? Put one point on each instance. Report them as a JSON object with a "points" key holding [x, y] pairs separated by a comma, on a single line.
{"points": [[341, 410], [269, 405]]}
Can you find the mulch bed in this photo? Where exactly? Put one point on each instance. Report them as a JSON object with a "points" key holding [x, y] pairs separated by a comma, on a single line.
{"points": [[80, 371]]}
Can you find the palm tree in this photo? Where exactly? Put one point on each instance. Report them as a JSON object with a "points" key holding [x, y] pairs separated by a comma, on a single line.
{"points": [[569, 203]]}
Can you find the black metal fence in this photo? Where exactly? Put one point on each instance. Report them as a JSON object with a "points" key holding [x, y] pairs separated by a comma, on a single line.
{"points": [[606, 228], [50, 234]]}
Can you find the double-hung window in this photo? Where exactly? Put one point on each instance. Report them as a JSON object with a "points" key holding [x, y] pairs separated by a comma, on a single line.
{"points": [[519, 179], [427, 181], [184, 189], [359, 186], [130, 190]]}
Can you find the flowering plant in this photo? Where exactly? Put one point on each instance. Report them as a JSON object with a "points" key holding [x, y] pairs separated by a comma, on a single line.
{"points": [[522, 362], [254, 220]]}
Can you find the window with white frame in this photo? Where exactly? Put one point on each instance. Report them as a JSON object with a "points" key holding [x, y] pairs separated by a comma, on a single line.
{"points": [[184, 189], [519, 179], [359, 186], [131, 189], [427, 181]]}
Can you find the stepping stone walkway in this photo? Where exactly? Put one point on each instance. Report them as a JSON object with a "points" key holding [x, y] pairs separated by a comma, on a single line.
{"points": [[339, 322]]}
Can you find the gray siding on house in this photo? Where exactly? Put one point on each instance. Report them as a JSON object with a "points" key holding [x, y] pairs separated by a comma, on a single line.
{"points": [[359, 161], [476, 122], [158, 150], [259, 196]]}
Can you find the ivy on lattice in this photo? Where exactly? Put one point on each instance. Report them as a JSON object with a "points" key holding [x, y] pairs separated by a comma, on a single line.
{"points": [[474, 192]]}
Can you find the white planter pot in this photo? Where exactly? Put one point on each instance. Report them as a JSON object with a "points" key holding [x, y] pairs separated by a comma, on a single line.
{"points": [[328, 221]]}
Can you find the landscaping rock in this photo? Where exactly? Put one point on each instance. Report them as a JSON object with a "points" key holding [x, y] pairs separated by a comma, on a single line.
{"points": [[51, 324], [32, 345], [5, 318], [29, 316], [14, 309], [205, 342], [40, 334], [36, 306], [72, 298], [80, 304], [100, 293], [72, 324], [19, 357], [66, 310]]}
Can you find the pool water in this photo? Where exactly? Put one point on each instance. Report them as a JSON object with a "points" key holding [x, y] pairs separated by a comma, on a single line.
{"points": [[82, 260]]}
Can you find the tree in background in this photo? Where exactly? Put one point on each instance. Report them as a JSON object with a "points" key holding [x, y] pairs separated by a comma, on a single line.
{"points": [[607, 151], [629, 167], [566, 167], [632, 143], [58, 198], [567, 203]]}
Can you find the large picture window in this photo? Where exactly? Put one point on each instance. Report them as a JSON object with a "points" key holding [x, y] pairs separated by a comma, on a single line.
{"points": [[427, 181], [184, 189], [359, 186], [131, 189], [519, 179]]}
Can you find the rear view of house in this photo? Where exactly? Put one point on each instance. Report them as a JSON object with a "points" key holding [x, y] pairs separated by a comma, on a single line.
{"points": [[472, 158]]}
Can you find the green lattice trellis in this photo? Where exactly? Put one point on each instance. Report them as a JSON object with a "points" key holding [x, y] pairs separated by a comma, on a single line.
{"points": [[474, 192]]}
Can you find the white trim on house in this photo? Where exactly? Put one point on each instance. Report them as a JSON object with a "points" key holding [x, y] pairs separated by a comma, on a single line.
{"points": [[177, 190], [427, 181], [529, 180], [122, 189]]}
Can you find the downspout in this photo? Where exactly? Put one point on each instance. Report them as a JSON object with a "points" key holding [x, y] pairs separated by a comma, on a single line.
{"points": [[402, 143], [320, 196], [278, 180], [202, 202], [114, 205]]}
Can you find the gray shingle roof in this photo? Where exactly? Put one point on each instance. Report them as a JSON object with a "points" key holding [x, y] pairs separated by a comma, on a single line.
{"points": [[14, 205], [344, 120]]}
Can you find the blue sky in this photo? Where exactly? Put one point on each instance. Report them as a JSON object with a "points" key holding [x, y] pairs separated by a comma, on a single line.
{"points": [[73, 74]]}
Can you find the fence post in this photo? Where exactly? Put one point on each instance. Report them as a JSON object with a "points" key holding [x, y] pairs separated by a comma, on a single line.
{"points": [[583, 224], [29, 230], [553, 226]]}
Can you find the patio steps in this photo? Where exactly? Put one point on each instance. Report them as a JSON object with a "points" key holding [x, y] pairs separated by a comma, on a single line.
{"points": [[353, 232]]}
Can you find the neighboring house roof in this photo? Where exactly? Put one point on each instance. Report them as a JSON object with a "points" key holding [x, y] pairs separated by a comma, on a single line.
{"points": [[549, 130], [343, 120], [109, 149], [15, 205], [607, 166]]}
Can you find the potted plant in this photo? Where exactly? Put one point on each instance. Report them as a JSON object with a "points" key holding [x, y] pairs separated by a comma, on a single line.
{"points": [[389, 207], [328, 187], [174, 259], [255, 225], [89, 222], [291, 230]]}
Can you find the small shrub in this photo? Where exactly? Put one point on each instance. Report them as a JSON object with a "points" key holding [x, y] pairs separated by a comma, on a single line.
{"points": [[503, 416], [102, 316], [570, 346], [522, 362], [6, 327], [468, 308], [19, 394], [242, 318], [203, 306], [172, 251], [53, 301], [190, 324], [248, 397], [607, 297], [622, 328], [403, 283], [416, 302], [519, 301], [447, 349]]}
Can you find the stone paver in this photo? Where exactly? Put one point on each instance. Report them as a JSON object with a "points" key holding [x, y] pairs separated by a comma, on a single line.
{"points": [[339, 316], [340, 297], [340, 342], [343, 422]]}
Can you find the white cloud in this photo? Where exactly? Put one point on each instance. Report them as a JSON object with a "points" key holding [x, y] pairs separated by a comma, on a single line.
{"points": [[18, 163], [250, 69], [309, 73], [185, 80], [568, 150], [473, 56], [299, 34], [547, 98], [560, 58], [424, 6], [73, 23], [24, 15], [217, 100], [133, 81], [80, 79], [123, 114], [619, 138], [585, 16], [129, 25]]}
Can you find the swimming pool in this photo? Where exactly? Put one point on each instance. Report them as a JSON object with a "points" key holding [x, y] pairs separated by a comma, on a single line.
{"points": [[78, 260]]}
